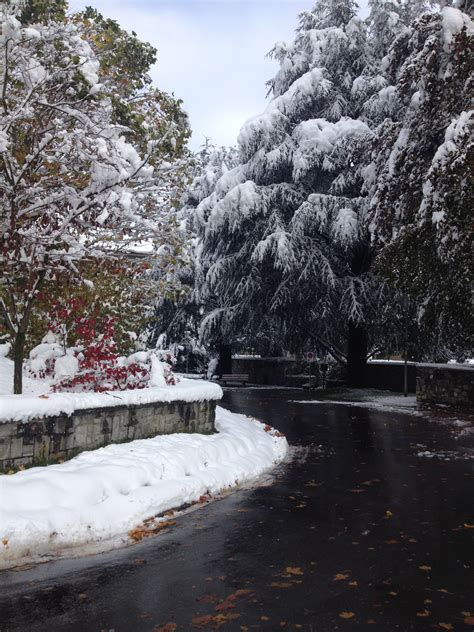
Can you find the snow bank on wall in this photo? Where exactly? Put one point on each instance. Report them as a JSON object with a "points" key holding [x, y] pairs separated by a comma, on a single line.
{"points": [[101, 495], [27, 407]]}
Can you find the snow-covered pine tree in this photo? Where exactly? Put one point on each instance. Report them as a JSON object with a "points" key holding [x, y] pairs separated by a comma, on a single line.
{"points": [[177, 316], [421, 209], [285, 244], [76, 183], [386, 23]]}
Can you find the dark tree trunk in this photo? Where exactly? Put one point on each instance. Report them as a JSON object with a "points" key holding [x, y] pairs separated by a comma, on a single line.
{"points": [[356, 356], [18, 354], [225, 360]]}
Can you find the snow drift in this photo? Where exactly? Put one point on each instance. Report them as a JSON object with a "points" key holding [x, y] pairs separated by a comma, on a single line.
{"points": [[100, 496]]}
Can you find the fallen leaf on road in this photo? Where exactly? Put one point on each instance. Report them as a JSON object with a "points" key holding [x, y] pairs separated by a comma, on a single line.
{"points": [[469, 620], [424, 568], [149, 529], [423, 613], [346, 615], [228, 602], [294, 570], [339, 577], [354, 584], [468, 526], [281, 585], [168, 627], [445, 626], [213, 621]]}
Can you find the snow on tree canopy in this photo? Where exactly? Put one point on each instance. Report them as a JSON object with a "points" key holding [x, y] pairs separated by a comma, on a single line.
{"points": [[421, 195], [75, 183], [286, 238]]}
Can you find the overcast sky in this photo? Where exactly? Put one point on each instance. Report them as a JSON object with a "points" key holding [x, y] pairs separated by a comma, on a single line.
{"points": [[211, 53]]}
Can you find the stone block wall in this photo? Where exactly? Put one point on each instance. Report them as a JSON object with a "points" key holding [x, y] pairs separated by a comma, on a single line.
{"points": [[64, 436], [441, 384]]}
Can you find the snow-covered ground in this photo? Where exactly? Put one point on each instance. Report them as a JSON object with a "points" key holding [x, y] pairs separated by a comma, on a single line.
{"points": [[102, 495], [101, 498], [368, 398]]}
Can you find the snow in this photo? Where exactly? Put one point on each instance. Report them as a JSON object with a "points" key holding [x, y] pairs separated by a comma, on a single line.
{"points": [[30, 386], [369, 399], [317, 137], [66, 367], [37, 401], [454, 22], [100, 496], [25, 407], [4, 142]]}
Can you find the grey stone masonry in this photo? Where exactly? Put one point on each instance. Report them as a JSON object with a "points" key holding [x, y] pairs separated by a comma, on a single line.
{"points": [[441, 384], [63, 436]]}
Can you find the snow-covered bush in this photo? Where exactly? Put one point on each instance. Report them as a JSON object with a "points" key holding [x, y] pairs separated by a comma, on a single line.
{"points": [[95, 365]]}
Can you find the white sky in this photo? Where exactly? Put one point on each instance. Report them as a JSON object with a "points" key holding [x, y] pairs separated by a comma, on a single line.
{"points": [[211, 53]]}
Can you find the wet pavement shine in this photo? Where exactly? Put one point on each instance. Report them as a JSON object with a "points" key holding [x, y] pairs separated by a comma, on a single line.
{"points": [[356, 532]]}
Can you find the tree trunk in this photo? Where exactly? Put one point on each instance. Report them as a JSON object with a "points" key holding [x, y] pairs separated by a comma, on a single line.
{"points": [[225, 360], [18, 353], [356, 356]]}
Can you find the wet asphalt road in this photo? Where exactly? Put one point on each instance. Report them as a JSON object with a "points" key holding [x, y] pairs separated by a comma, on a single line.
{"points": [[357, 532]]}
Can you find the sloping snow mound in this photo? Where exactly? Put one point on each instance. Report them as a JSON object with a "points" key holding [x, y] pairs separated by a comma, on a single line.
{"points": [[101, 495]]}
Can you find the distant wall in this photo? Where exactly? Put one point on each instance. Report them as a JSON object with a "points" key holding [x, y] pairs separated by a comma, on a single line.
{"points": [[268, 371], [287, 372], [62, 436], [389, 376], [440, 384]]}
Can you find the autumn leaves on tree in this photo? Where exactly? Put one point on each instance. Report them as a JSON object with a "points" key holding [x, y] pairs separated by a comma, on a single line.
{"points": [[89, 156]]}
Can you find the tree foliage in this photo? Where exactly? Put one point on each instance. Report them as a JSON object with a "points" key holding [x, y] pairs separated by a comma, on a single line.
{"points": [[77, 182]]}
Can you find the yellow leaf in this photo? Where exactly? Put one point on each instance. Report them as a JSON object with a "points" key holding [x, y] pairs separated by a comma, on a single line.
{"points": [[346, 615], [339, 577], [294, 570]]}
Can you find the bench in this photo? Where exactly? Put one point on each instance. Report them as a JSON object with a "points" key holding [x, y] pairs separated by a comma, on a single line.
{"points": [[234, 378]]}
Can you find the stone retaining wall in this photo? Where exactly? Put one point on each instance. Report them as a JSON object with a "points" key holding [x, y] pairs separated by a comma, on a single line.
{"points": [[440, 384], [64, 436]]}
